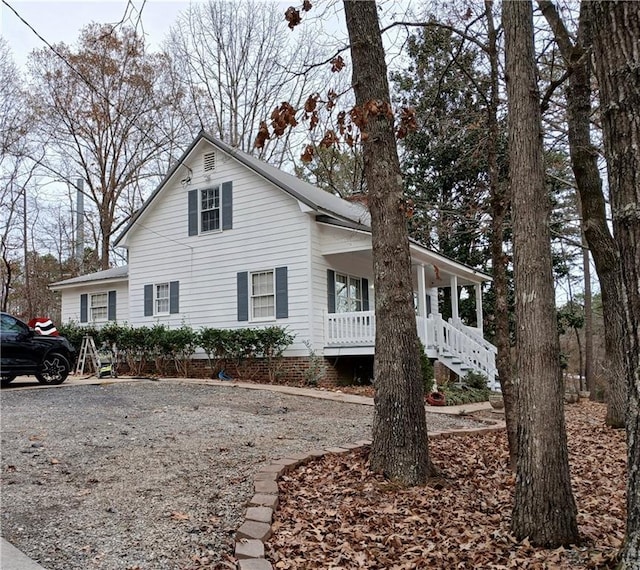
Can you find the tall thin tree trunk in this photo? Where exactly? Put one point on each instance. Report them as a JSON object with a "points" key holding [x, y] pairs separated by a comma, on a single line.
{"points": [[544, 508], [616, 43], [588, 317], [399, 447], [500, 201], [584, 162], [27, 264]]}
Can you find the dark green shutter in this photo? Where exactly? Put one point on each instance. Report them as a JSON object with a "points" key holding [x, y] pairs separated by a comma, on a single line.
{"points": [[227, 205], [174, 297], [148, 300], [243, 296], [365, 294], [331, 290], [111, 310], [282, 293], [193, 212], [84, 308]]}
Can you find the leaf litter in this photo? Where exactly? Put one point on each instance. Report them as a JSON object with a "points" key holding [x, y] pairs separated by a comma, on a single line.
{"points": [[335, 514]]}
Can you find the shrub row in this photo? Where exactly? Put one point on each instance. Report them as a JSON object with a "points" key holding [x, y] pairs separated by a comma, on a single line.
{"points": [[161, 346]]}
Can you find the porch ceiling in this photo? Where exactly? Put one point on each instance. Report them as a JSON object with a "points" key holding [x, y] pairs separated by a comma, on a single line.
{"points": [[360, 263], [350, 251]]}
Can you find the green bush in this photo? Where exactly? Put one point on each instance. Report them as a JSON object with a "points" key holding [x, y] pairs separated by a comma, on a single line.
{"points": [[214, 342], [270, 343], [475, 380], [135, 345], [458, 395], [163, 346], [75, 333], [427, 368]]}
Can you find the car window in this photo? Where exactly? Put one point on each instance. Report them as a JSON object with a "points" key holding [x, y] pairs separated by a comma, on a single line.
{"points": [[9, 324]]}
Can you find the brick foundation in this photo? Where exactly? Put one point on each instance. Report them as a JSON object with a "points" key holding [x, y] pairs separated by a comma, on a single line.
{"points": [[288, 371]]}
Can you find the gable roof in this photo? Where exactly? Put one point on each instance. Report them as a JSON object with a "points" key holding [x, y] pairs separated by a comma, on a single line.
{"points": [[324, 203], [114, 274]]}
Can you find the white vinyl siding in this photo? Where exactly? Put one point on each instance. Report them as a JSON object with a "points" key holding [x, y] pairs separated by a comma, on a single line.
{"points": [[70, 301], [98, 307], [269, 231], [263, 299]]}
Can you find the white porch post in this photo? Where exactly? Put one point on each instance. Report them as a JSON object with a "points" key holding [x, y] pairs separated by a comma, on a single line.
{"points": [[422, 302], [433, 294], [478, 289], [422, 292], [454, 298]]}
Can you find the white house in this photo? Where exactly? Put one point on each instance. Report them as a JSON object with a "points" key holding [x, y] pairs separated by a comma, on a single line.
{"points": [[228, 241]]}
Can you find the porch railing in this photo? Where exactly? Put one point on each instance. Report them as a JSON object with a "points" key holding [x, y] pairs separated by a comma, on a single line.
{"points": [[351, 329], [455, 344]]}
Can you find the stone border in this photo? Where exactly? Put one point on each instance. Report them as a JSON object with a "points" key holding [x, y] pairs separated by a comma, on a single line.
{"points": [[256, 529]]}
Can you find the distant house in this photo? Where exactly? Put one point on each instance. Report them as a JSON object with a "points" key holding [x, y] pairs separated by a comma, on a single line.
{"points": [[228, 241]]}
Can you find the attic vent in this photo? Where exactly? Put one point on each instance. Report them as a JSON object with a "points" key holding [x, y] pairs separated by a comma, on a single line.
{"points": [[209, 161]]}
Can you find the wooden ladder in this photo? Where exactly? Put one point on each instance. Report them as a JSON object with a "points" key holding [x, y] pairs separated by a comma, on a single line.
{"points": [[89, 349]]}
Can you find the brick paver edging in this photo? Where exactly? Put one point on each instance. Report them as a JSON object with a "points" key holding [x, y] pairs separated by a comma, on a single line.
{"points": [[256, 529]]}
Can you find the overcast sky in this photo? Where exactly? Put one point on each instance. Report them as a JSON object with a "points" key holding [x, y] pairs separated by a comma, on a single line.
{"points": [[58, 21]]}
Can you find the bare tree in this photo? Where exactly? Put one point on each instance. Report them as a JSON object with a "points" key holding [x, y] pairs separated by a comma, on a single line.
{"points": [[584, 161], [16, 173], [237, 61], [100, 110], [616, 39], [544, 508]]}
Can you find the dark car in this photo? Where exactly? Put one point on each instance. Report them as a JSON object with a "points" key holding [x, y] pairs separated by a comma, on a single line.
{"points": [[25, 352]]}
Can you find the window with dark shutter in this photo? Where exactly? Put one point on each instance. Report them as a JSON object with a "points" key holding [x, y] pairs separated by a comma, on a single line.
{"points": [[148, 300], [331, 291], [193, 212], [111, 309], [84, 308], [174, 297], [282, 293], [243, 296], [227, 205]]}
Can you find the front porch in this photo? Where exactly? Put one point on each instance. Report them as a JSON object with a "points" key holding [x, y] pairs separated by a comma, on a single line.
{"points": [[461, 348], [349, 325]]}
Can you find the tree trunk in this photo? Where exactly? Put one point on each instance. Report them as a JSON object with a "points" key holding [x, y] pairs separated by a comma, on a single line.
{"points": [[544, 508], [588, 317], [616, 39], [399, 449], [584, 162], [500, 201]]}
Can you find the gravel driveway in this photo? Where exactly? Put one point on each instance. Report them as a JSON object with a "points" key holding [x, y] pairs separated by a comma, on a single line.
{"points": [[150, 475]]}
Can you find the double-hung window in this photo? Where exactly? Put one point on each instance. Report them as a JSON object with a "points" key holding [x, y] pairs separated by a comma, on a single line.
{"points": [[263, 300], [161, 299], [348, 294], [99, 307], [210, 209]]}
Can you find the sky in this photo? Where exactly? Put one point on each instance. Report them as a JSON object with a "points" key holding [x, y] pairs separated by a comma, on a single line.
{"points": [[59, 21]]}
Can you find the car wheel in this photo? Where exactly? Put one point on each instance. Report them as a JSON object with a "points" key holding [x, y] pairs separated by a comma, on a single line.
{"points": [[7, 379], [55, 369]]}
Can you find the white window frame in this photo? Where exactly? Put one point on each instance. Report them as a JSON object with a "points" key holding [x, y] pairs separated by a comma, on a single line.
{"points": [[217, 200], [353, 304], [157, 299], [94, 306], [255, 298]]}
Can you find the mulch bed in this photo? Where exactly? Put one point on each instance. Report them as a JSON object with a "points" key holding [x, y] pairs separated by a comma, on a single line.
{"points": [[335, 514]]}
